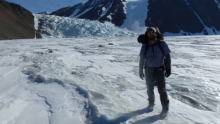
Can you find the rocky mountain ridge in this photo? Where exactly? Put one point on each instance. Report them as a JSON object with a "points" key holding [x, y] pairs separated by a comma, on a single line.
{"points": [[16, 22], [173, 16]]}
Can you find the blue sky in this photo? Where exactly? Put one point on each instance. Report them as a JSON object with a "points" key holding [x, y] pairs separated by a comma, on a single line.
{"points": [[36, 6]]}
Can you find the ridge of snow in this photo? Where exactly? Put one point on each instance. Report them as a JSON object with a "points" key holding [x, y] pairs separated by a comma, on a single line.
{"points": [[218, 3], [105, 10], [209, 30], [83, 12], [77, 10], [35, 22]]}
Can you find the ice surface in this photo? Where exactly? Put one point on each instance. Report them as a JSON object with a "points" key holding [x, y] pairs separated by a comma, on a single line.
{"points": [[86, 80], [64, 27]]}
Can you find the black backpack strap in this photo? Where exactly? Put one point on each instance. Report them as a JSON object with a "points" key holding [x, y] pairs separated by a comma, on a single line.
{"points": [[158, 43], [166, 64], [160, 46], [146, 47]]}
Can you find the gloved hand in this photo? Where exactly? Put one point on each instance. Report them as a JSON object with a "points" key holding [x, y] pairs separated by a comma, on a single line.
{"points": [[168, 72], [141, 74]]}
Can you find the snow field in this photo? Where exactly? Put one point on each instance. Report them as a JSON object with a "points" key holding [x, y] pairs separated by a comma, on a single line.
{"points": [[89, 80]]}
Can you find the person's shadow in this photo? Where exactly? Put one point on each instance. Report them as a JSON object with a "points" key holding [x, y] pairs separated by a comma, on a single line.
{"points": [[127, 116]]}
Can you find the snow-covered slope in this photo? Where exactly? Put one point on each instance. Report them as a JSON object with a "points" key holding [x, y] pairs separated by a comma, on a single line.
{"points": [[89, 81], [135, 15]]}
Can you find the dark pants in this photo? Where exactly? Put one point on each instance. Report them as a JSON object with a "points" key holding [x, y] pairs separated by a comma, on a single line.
{"points": [[156, 76]]}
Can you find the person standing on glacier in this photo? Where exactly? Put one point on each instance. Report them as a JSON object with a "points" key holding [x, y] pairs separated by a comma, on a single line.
{"points": [[154, 55]]}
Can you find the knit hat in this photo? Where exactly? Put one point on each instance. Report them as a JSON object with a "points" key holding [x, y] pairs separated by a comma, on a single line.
{"points": [[151, 29]]}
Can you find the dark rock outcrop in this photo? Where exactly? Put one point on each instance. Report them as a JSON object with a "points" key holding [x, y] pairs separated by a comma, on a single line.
{"points": [[187, 15], [15, 22]]}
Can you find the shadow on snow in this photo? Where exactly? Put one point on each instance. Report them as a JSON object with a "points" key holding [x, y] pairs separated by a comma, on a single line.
{"points": [[127, 116]]}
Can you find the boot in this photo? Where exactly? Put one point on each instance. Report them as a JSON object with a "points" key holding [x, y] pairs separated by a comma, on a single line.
{"points": [[164, 112], [150, 107]]}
